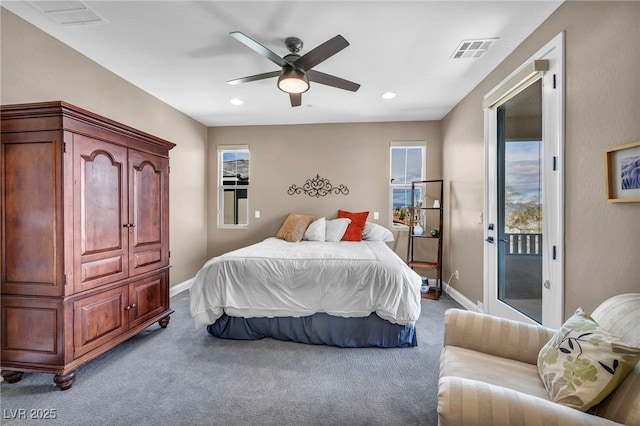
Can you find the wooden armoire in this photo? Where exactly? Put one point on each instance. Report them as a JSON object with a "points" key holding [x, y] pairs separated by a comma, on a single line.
{"points": [[84, 235]]}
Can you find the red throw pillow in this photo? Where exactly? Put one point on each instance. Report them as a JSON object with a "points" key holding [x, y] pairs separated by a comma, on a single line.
{"points": [[355, 228]]}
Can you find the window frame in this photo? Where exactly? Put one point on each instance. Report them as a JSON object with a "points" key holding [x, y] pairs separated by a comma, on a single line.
{"points": [[406, 185], [222, 149]]}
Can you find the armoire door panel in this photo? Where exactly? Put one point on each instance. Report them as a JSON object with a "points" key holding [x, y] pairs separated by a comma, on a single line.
{"points": [[24, 342], [92, 270], [40, 340], [148, 188], [147, 202], [101, 210], [99, 318], [101, 186], [144, 258], [149, 296], [30, 167]]}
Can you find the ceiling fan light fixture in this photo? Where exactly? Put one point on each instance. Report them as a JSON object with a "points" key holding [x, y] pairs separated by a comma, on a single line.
{"points": [[292, 80], [295, 70]]}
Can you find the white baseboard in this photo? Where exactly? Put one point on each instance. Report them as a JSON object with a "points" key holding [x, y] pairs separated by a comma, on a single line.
{"points": [[459, 297], [179, 288]]}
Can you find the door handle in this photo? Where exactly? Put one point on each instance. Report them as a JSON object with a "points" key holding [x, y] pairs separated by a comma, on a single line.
{"points": [[489, 240]]}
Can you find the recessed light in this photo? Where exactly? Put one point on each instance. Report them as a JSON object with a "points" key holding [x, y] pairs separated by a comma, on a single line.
{"points": [[236, 101], [388, 95]]}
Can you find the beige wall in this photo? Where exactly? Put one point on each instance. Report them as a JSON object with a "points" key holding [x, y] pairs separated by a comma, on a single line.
{"points": [[602, 110], [37, 67], [356, 155], [602, 240]]}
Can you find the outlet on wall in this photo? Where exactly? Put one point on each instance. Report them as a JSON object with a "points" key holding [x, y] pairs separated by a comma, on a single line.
{"points": [[456, 274]]}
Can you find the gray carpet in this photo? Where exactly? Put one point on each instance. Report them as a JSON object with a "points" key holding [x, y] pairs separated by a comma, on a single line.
{"points": [[183, 376]]}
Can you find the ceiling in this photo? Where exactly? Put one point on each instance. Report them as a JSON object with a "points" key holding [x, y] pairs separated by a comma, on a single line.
{"points": [[181, 53]]}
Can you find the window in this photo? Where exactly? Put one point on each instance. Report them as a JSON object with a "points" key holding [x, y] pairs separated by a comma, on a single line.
{"points": [[233, 181], [407, 165]]}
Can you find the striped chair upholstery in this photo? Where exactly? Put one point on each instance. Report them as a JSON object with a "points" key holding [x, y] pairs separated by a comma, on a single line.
{"points": [[488, 372], [620, 315]]}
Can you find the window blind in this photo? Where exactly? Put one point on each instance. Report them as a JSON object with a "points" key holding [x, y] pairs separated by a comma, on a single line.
{"points": [[522, 79]]}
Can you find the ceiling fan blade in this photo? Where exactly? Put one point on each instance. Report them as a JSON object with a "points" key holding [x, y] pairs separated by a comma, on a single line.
{"points": [[254, 77], [296, 99], [257, 47], [331, 80], [322, 52]]}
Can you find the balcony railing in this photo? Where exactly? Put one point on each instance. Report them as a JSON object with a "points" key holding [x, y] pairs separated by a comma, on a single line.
{"points": [[523, 244]]}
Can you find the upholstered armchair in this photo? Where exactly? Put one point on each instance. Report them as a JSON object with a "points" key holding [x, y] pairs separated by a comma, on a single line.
{"points": [[489, 373]]}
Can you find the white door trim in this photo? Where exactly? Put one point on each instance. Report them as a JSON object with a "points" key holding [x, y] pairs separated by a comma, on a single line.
{"points": [[553, 193]]}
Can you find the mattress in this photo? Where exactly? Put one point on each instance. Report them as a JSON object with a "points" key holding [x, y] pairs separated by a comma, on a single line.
{"points": [[275, 278]]}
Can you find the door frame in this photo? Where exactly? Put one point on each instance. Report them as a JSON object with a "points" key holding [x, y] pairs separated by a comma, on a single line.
{"points": [[553, 192]]}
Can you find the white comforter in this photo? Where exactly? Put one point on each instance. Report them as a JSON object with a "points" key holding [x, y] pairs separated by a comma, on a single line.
{"points": [[276, 278]]}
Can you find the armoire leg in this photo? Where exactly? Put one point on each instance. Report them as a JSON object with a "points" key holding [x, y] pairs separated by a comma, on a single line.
{"points": [[11, 376], [64, 381], [164, 322]]}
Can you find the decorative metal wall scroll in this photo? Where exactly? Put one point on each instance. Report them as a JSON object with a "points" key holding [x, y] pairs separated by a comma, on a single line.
{"points": [[317, 187]]}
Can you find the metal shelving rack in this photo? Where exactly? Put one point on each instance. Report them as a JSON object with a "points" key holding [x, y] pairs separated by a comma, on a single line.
{"points": [[416, 213]]}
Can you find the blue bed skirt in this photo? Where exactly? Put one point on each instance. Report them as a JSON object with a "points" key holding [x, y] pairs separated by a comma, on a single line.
{"points": [[318, 329]]}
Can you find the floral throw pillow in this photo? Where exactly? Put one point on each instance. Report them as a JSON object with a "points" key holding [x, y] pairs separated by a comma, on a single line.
{"points": [[584, 363]]}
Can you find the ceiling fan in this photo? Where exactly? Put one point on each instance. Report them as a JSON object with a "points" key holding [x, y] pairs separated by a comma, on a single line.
{"points": [[297, 70]]}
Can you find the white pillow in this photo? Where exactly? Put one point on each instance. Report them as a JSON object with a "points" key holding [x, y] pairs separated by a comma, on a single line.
{"points": [[316, 231], [374, 232], [336, 229]]}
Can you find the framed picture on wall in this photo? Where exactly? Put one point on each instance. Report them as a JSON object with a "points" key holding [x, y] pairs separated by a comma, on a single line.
{"points": [[622, 172]]}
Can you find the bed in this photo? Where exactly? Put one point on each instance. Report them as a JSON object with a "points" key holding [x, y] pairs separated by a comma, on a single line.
{"points": [[348, 294]]}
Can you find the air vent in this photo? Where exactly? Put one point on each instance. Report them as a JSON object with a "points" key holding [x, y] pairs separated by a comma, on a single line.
{"points": [[68, 12], [472, 48]]}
